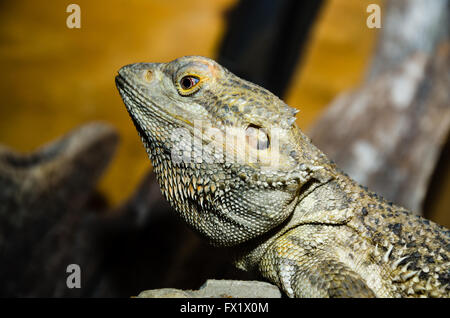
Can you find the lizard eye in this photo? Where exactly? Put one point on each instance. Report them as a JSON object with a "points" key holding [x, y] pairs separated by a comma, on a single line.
{"points": [[257, 137], [188, 84]]}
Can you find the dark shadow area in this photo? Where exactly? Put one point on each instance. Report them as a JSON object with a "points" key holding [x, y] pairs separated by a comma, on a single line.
{"points": [[265, 40], [437, 185]]}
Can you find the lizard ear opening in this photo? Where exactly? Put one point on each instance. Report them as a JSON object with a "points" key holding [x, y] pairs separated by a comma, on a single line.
{"points": [[257, 137]]}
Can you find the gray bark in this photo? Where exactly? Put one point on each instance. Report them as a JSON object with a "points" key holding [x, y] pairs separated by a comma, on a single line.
{"points": [[388, 133]]}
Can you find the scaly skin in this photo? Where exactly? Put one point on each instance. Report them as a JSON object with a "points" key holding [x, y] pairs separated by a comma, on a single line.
{"points": [[299, 221]]}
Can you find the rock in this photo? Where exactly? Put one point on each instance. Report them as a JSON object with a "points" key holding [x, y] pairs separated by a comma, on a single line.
{"points": [[167, 293], [219, 289]]}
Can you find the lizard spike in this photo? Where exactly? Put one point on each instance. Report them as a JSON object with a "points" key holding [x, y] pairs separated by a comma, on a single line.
{"points": [[182, 195], [435, 293], [313, 168], [397, 262], [405, 268], [291, 110], [405, 277], [419, 289], [170, 181], [291, 121], [397, 279], [388, 253], [166, 183], [191, 192], [376, 252]]}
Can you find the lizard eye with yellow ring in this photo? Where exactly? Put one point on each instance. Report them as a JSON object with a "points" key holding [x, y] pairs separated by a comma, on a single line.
{"points": [[188, 84], [257, 137]]}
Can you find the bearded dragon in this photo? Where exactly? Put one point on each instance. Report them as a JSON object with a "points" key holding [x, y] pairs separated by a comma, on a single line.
{"points": [[231, 160]]}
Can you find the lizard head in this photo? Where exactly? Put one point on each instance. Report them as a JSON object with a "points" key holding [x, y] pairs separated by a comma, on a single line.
{"points": [[227, 153]]}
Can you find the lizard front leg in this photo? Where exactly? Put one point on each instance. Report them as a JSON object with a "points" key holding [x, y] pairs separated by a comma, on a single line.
{"points": [[303, 263]]}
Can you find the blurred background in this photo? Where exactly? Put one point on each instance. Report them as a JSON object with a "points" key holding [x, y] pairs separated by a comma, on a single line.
{"points": [[308, 52], [55, 78]]}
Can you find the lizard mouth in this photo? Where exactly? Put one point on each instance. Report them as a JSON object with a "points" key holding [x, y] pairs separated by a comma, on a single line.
{"points": [[129, 101], [120, 81], [124, 90]]}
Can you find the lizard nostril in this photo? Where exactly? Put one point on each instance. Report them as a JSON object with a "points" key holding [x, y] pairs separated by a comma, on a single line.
{"points": [[148, 75]]}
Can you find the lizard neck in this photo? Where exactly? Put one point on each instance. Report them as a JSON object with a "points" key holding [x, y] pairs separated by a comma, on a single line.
{"points": [[325, 199], [308, 210]]}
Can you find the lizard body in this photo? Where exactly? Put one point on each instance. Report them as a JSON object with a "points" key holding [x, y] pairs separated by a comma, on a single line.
{"points": [[297, 220]]}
